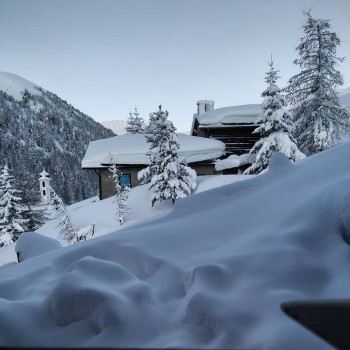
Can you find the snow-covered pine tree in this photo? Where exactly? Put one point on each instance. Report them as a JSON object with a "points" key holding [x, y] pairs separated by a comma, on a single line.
{"points": [[37, 215], [151, 123], [151, 130], [65, 224], [135, 123], [320, 119], [12, 220], [170, 178], [121, 195], [275, 128]]}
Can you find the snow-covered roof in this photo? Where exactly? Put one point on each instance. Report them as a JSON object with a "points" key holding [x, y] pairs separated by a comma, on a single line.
{"points": [[14, 85], [44, 175], [132, 148], [244, 114]]}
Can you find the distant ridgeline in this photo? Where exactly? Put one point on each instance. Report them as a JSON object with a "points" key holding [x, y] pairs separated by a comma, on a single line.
{"points": [[43, 131]]}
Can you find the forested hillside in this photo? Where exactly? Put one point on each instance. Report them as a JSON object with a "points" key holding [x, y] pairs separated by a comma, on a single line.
{"points": [[40, 130]]}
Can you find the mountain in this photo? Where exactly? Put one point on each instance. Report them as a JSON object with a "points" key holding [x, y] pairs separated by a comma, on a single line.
{"points": [[344, 97], [117, 126], [40, 130]]}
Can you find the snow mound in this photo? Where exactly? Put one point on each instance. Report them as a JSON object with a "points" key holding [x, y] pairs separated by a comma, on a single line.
{"points": [[279, 160], [31, 244], [77, 295], [212, 273], [14, 85]]}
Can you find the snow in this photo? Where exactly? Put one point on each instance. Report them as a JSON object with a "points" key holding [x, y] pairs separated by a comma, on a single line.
{"points": [[233, 161], [244, 114], [58, 146], [44, 175], [344, 97], [132, 149], [32, 244], [210, 273], [14, 85], [343, 92], [117, 126], [102, 214]]}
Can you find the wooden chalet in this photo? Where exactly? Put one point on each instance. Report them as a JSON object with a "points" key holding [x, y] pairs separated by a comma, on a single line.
{"points": [[233, 126], [128, 152]]}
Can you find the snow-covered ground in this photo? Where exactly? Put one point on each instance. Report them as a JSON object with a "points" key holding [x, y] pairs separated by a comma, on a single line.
{"points": [[102, 213], [210, 273]]}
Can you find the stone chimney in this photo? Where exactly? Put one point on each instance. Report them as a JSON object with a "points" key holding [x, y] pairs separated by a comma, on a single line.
{"points": [[204, 106]]}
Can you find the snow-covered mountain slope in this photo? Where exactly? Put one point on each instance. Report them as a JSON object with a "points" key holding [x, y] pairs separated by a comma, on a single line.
{"points": [[211, 273], [344, 97], [40, 130], [14, 85], [117, 126]]}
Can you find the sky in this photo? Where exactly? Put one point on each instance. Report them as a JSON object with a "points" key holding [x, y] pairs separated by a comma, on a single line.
{"points": [[107, 57]]}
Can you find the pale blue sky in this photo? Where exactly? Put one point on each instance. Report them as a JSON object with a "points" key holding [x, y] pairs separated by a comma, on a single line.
{"points": [[107, 56]]}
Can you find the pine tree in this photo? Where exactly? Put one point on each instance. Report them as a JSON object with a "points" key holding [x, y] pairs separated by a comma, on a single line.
{"points": [[12, 220], [275, 128], [135, 123], [320, 119], [121, 195], [170, 178], [65, 224], [36, 216]]}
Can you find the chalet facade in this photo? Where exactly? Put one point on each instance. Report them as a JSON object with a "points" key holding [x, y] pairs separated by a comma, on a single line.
{"points": [[128, 152], [233, 126]]}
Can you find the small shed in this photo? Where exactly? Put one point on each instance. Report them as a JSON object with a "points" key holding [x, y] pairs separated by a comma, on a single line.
{"points": [[128, 152]]}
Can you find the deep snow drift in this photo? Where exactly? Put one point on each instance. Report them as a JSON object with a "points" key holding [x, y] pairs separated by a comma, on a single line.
{"points": [[210, 274]]}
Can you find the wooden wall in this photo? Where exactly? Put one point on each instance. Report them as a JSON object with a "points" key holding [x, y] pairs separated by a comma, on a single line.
{"points": [[107, 188], [238, 139]]}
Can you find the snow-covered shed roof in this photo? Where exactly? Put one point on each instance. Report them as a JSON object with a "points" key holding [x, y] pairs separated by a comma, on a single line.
{"points": [[130, 149], [243, 114]]}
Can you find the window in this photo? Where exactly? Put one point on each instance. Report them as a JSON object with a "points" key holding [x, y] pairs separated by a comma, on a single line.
{"points": [[44, 184], [44, 193], [125, 180]]}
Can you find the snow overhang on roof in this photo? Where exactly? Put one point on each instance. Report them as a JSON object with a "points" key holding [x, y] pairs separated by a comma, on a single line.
{"points": [[244, 114], [131, 149]]}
